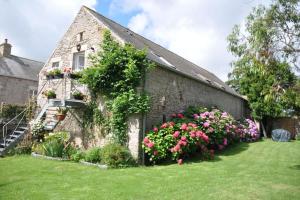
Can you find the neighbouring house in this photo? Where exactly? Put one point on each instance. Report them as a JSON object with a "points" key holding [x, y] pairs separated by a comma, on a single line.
{"points": [[173, 85], [18, 76]]}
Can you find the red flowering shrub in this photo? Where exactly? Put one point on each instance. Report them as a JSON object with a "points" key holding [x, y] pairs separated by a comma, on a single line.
{"points": [[193, 132]]}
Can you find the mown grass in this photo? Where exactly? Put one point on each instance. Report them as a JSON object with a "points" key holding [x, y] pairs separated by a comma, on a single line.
{"points": [[262, 170]]}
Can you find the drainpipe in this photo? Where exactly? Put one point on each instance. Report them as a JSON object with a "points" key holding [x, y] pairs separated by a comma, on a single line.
{"points": [[143, 125]]}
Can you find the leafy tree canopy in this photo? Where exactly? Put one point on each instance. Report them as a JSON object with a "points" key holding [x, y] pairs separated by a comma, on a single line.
{"points": [[267, 53]]}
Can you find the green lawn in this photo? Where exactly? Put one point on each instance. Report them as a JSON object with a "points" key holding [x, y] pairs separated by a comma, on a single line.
{"points": [[262, 170]]}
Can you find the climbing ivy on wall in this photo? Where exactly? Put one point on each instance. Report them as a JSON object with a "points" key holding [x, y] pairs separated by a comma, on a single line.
{"points": [[116, 72]]}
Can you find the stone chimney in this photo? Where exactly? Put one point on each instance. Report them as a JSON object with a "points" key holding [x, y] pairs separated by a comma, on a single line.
{"points": [[5, 48]]}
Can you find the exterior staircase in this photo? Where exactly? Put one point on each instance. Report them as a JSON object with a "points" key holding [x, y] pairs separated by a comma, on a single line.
{"points": [[12, 139], [50, 121], [48, 113]]}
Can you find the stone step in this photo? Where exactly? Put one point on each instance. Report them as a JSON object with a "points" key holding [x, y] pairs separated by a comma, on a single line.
{"points": [[10, 140], [23, 128], [52, 109], [14, 136], [48, 127], [51, 112], [18, 132], [2, 144]]}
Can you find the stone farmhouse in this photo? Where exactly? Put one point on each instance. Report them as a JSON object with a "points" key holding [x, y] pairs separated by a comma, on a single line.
{"points": [[18, 76], [173, 85]]}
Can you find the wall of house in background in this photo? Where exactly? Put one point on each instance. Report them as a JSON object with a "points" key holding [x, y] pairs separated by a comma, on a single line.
{"points": [[16, 90]]}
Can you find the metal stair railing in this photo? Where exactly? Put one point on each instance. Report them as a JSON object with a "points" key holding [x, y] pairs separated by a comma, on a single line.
{"points": [[4, 128], [44, 106]]}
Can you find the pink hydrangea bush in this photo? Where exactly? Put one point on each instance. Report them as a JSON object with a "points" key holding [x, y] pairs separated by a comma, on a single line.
{"points": [[195, 131], [249, 131]]}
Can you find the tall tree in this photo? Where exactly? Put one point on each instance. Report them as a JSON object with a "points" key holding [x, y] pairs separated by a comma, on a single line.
{"points": [[267, 53]]}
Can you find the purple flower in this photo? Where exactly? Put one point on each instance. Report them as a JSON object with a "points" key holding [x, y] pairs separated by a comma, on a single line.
{"points": [[206, 124]]}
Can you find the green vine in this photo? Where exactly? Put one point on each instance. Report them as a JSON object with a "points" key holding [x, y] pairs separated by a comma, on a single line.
{"points": [[92, 117], [116, 72]]}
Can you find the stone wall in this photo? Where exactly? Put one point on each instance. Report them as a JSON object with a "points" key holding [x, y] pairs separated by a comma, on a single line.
{"points": [[171, 92], [16, 90], [92, 37]]}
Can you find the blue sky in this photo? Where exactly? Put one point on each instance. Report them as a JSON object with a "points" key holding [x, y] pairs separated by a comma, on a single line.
{"points": [[103, 7], [194, 29]]}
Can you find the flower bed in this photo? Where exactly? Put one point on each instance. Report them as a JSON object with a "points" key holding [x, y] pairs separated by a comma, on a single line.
{"points": [[197, 131]]}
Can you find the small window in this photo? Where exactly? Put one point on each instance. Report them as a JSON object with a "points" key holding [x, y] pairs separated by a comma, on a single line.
{"points": [[80, 37], [55, 65], [78, 61]]}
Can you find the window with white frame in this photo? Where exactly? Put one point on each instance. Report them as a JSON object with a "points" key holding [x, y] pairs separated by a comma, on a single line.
{"points": [[55, 65], [78, 61]]}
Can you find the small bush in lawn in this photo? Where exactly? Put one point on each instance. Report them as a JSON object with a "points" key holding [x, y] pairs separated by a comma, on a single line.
{"points": [[93, 155], [115, 155]]}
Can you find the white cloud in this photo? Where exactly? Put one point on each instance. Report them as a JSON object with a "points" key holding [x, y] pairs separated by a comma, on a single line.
{"points": [[194, 29], [34, 27]]}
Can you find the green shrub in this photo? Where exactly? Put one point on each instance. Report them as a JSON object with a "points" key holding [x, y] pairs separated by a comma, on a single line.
{"points": [[9, 111], [77, 156], [93, 155], [38, 148], [69, 150], [57, 144], [23, 150], [115, 155], [19, 150]]}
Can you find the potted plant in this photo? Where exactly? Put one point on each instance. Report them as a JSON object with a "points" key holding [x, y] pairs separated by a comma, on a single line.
{"points": [[77, 95], [75, 75], [50, 94], [61, 113], [55, 73]]}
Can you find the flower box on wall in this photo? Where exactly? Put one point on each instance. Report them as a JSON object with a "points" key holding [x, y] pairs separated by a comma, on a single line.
{"points": [[58, 76], [50, 94], [75, 75], [54, 74], [77, 95]]}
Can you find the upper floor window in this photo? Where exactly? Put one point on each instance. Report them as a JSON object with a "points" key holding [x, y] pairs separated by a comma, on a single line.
{"points": [[80, 37], [55, 65], [78, 61]]}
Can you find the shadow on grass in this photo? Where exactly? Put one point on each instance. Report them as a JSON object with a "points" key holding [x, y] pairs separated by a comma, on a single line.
{"points": [[10, 183], [295, 167], [196, 158], [229, 151]]}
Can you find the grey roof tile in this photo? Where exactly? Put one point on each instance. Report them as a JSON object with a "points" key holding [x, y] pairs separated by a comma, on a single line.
{"points": [[164, 57], [14, 66]]}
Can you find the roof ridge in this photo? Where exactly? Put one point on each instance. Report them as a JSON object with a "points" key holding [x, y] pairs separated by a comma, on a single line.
{"points": [[182, 58], [154, 47], [27, 58]]}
